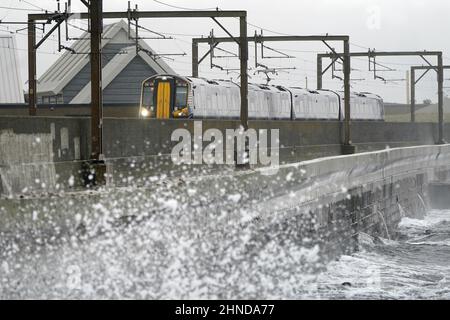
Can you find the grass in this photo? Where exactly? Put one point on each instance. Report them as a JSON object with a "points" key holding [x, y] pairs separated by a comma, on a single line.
{"points": [[420, 117]]}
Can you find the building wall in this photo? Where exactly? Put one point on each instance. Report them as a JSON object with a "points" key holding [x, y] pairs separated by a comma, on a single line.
{"points": [[126, 87], [77, 83], [84, 76], [11, 86]]}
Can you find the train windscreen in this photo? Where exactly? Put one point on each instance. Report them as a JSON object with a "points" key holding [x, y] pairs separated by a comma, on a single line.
{"points": [[148, 98], [181, 97]]}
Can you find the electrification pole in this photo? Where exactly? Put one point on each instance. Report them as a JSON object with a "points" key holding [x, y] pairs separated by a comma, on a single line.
{"points": [[32, 87], [96, 12], [347, 147], [97, 15], [372, 54], [414, 83], [243, 46]]}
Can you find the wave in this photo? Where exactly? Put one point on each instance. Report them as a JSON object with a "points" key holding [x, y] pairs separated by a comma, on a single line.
{"points": [[413, 267]]}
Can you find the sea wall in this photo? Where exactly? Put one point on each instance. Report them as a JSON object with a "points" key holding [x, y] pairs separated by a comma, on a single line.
{"points": [[131, 142], [327, 202]]}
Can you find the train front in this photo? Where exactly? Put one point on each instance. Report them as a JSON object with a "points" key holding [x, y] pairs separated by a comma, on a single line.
{"points": [[165, 97]]}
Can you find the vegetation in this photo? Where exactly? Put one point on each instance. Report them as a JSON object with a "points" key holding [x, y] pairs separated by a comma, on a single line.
{"points": [[420, 117]]}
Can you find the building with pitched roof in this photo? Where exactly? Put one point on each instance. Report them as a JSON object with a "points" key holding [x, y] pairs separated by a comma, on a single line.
{"points": [[67, 81], [11, 86]]}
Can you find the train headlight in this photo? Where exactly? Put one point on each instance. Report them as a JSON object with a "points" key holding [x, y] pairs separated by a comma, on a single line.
{"points": [[145, 113]]}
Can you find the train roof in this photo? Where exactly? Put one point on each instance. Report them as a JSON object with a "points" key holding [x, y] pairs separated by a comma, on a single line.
{"points": [[271, 88], [266, 87], [206, 82], [371, 95], [362, 94], [304, 91]]}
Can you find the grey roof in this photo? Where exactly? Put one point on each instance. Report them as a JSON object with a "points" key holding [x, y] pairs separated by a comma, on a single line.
{"points": [[112, 70], [11, 86], [69, 65]]}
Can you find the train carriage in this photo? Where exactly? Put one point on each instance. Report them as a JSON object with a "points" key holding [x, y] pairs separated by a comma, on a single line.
{"points": [[375, 106], [258, 103], [364, 106], [170, 96], [315, 104]]}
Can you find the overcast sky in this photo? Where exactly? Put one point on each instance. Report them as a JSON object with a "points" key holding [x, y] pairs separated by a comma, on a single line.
{"points": [[380, 24]]}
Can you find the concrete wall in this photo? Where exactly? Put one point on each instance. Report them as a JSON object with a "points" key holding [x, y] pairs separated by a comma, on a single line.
{"points": [[70, 110], [331, 201], [128, 142], [299, 140], [37, 155], [327, 201], [336, 199]]}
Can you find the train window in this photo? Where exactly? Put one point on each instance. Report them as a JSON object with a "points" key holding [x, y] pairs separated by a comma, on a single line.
{"points": [[148, 98], [181, 96]]}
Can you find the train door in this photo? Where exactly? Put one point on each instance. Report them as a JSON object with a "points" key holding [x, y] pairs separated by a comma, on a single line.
{"points": [[163, 102]]}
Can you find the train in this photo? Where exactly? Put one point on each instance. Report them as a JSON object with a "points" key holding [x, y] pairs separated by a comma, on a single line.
{"points": [[172, 96]]}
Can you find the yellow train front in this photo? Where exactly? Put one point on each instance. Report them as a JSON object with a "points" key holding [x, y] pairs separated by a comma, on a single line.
{"points": [[164, 97]]}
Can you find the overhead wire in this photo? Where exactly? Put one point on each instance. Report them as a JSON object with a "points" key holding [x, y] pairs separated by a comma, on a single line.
{"points": [[35, 6], [182, 8], [177, 40]]}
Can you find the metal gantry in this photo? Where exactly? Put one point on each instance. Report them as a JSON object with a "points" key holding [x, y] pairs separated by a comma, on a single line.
{"points": [[96, 15], [347, 148], [371, 54], [414, 81]]}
